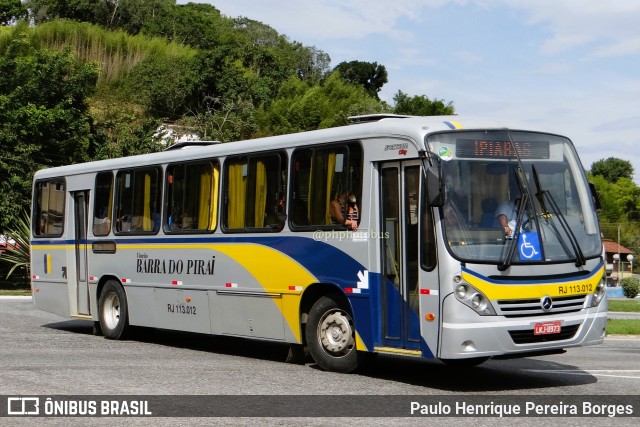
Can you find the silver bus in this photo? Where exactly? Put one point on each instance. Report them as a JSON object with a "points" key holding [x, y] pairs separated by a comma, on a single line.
{"points": [[252, 239]]}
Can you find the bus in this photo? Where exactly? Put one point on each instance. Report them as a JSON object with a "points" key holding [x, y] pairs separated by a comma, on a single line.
{"points": [[241, 239]]}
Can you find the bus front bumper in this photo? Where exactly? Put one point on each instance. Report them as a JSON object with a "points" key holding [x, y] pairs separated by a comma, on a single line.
{"points": [[469, 335]]}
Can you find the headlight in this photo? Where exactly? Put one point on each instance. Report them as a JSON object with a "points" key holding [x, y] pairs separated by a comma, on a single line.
{"points": [[461, 291], [473, 298], [476, 301], [599, 293]]}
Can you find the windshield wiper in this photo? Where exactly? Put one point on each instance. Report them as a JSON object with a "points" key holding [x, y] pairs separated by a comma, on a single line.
{"points": [[506, 262], [540, 195]]}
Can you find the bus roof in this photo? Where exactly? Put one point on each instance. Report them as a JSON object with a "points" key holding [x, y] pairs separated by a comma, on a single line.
{"points": [[364, 127]]}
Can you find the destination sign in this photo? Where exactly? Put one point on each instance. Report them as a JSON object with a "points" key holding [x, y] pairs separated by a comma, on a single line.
{"points": [[492, 149]]}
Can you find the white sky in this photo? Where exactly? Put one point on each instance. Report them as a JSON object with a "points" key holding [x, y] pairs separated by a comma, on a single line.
{"points": [[566, 66]]}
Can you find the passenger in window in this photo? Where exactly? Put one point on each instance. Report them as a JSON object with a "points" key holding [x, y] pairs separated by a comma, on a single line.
{"points": [[343, 212], [353, 212]]}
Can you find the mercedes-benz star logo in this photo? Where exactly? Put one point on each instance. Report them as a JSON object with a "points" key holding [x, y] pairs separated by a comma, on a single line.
{"points": [[546, 303]]}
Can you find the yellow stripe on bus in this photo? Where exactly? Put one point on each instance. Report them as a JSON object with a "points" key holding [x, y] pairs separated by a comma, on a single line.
{"points": [[272, 269], [524, 291]]}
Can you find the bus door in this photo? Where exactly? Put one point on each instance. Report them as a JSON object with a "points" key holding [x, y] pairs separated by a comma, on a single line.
{"points": [[80, 212], [400, 184]]}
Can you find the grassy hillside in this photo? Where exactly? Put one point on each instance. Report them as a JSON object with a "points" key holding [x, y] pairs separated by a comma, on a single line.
{"points": [[115, 51]]}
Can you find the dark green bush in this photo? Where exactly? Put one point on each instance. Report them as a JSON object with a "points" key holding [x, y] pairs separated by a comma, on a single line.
{"points": [[630, 287]]}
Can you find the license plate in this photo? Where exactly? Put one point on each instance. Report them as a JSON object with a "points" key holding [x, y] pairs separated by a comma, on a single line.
{"points": [[547, 328]]}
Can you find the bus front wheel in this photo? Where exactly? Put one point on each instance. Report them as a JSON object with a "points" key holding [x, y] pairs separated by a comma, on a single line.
{"points": [[330, 336], [113, 310]]}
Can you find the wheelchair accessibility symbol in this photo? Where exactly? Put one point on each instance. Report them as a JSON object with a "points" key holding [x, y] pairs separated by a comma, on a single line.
{"points": [[529, 247]]}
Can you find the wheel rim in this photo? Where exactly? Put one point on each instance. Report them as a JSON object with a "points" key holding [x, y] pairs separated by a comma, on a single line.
{"points": [[336, 333], [111, 310]]}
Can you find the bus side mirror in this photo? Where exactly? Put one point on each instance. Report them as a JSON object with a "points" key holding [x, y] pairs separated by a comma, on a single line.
{"points": [[435, 190]]}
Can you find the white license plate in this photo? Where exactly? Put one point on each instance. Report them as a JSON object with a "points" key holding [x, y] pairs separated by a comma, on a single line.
{"points": [[547, 328]]}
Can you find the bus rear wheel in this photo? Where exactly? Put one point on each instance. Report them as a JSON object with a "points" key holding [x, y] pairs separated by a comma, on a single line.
{"points": [[330, 336], [114, 320]]}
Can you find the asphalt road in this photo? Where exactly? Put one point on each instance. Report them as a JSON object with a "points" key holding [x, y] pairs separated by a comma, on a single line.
{"points": [[43, 354]]}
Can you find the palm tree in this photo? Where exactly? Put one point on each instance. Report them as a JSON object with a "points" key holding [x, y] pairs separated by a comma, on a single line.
{"points": [[16, 254]]}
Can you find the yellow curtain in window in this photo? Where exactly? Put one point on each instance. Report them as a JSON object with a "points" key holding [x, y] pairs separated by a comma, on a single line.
{"points": [[331, 166], [146, 219], [204, 199], [237, 196], [213, 211], [261, 194]]}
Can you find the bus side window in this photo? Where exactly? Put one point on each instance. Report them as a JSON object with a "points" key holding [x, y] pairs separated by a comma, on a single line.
{"points": [[320, 176], [138, 201], [191, 197], [103, 202], [254, 192], [49, 208]]}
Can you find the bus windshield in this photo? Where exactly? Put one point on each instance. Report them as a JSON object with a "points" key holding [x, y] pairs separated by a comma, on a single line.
{"points": [[515, 197]]}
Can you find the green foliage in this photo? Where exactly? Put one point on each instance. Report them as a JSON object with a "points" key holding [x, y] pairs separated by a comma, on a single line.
{"points": [[630, 287], [116, 51], [612, 169], [124, 133], [11, 11], [41, 124], [301, 107], [620, 201], [79, 10], [620, 210], [228, 120], [369, 75], [130, 15], [166, 86], [16, 254], [421, 105]]}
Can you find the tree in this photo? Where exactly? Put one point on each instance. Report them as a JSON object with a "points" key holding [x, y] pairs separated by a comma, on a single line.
{"points": [[130, 15], [612, 169], [41, 124], [421, 105], [168, 87], [11, 11], [121, 131], [221, 120], [77, 10], [301, 106], [369, 75]]}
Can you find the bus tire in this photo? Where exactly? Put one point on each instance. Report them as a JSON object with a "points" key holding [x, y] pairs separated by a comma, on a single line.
{"points": [[330, 334], [114, 319]]}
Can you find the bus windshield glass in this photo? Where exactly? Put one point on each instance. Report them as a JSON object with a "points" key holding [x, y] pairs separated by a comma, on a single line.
{"points": [[515, 197]]}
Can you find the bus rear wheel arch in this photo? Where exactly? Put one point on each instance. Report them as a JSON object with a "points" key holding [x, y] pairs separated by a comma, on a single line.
{"points": [[330, 335], [113, 310]]}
